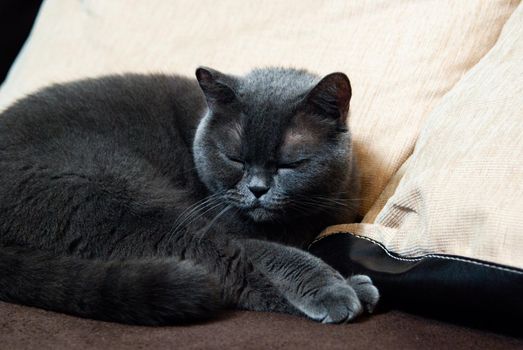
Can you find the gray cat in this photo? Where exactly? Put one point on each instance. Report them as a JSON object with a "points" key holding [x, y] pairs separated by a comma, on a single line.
{"points": [[156, 199]]}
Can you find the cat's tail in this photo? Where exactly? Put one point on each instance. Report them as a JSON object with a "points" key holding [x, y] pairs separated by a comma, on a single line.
{"points": [[146, 292]]}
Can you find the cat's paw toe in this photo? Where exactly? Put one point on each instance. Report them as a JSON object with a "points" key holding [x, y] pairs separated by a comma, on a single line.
{"points": [[338, 304], [367, 293]]}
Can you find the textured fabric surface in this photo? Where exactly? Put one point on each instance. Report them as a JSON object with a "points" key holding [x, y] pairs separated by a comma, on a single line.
{"points": [[462, 189], [401, 56], [28, 328]]}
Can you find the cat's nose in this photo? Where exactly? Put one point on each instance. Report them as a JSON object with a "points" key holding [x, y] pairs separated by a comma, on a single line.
{"points": [[258, 190]]}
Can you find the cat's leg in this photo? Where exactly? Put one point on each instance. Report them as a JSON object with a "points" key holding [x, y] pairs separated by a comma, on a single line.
{"points": [[312, 286], [242, 284]]}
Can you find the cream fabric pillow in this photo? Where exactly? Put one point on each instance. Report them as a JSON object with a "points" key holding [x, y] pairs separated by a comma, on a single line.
{"points": [[401, 56], [462, 189]]}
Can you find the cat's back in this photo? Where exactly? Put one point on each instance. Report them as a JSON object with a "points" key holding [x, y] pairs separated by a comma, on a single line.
{"points": [[117, 126], [111, 104]]}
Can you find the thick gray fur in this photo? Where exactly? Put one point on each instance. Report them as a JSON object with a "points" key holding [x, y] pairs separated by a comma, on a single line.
{"points": [[156, 199]]}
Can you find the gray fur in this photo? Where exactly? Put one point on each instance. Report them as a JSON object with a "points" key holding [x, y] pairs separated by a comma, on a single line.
{"points": [[140, 199]]}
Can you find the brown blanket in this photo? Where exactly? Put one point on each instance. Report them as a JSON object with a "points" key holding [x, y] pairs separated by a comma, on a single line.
{"points": [[23, 328]]}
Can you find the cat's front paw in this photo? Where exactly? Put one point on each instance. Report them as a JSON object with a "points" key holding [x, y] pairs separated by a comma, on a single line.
{"points": [[339, 304], [366, 291], [343, 301]]}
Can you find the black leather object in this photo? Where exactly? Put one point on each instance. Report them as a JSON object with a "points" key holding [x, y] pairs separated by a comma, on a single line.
{"points": [[462, 290]]}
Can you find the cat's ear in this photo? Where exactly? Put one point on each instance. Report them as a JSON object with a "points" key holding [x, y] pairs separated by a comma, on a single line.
{"points": [[215, 86], [330, 97]]}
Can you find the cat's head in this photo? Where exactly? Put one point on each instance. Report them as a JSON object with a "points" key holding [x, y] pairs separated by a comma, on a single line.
{"points": [[275, 143]]}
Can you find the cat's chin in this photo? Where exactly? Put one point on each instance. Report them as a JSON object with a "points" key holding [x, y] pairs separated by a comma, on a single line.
{"points": [[261, 215]]}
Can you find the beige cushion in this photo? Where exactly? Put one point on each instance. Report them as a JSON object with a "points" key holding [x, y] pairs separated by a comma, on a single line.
{"points": [[401, 56], [462, 189]]}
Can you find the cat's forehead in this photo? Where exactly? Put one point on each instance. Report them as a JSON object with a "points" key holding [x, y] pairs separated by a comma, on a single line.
{"points": [[274, 87], [278, 76], [268, 96]]}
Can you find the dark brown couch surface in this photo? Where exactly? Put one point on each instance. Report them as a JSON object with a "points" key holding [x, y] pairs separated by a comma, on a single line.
{"points": [[24, 328]]}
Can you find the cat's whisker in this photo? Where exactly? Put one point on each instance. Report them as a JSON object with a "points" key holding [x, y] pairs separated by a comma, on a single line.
{"points": [[185, 215], [194, 205], [319, 203], [211, 223], [188, 218], [310, 205], [326, 201], [303, 208], [191, 208], [199, 215]]}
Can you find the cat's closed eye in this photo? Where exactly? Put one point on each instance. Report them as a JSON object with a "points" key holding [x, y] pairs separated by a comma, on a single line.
{"points": [[234, 159], [237, 161], [292, 164]]}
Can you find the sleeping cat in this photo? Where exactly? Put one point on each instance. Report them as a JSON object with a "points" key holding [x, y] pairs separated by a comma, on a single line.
{"points": [[156, 199]]}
